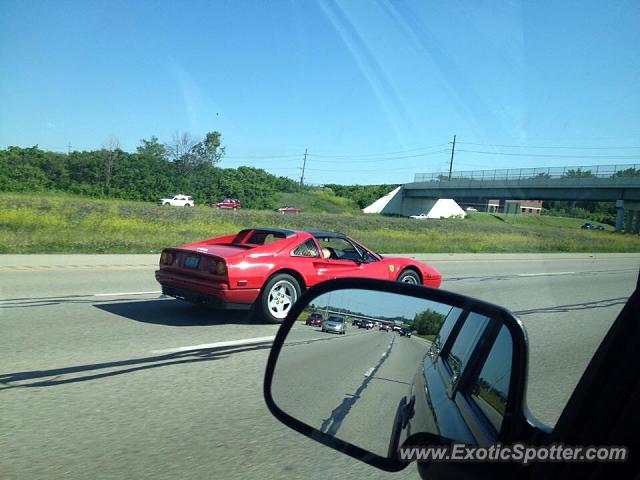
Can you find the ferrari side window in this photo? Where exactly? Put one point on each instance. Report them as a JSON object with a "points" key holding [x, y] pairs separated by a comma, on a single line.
{"points": [[306, 249], [341, 249], [260, 237]]}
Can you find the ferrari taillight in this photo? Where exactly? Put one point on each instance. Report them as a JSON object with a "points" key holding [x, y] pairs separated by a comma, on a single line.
{"points": [[167, 258], [218, 267]]}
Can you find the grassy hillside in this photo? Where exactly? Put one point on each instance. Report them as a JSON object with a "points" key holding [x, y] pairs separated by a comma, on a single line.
{"points": [[532, 220], [321, 200], [51, 224]]}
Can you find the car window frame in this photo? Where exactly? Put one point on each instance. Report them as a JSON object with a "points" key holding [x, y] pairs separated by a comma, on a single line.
{"points": [[345, 239], [312, 240], [475, 419], [466, 390], [370, 253], [458, 389], [446, 345], [471, 357]]}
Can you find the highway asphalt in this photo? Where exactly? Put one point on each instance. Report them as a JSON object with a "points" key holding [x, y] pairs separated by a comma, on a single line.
{"points": [[347, 386], [102, 377]]}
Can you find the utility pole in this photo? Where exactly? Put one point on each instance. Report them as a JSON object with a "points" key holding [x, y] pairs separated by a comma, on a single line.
{"points": [[304, 165], [68, 148], [453, 149]]}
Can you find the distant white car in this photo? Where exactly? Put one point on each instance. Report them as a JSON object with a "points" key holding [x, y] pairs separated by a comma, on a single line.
{"points": [[179, 200], [471, 209], [420, 216]]}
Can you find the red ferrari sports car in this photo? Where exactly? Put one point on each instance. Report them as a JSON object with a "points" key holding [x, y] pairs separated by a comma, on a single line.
{"points": [[268, 268]]}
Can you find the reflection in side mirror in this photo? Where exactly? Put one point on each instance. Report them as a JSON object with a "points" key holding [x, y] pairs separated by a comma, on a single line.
{"points": [[369, 391]]}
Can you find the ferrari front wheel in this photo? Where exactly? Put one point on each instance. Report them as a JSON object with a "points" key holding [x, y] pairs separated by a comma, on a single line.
{"points": [[409, 276], [278, 296]]}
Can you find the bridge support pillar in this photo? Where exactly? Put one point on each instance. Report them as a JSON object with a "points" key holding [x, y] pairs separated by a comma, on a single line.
{"points": [[630, 216], [629, 221], [619, 215]]}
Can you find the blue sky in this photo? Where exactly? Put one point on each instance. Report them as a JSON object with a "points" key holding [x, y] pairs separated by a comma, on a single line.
{"points": [[376, 304], [354, 82]]}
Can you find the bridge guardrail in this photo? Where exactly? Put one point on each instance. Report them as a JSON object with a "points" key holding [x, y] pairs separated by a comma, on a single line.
{"points": [[595, 175]]}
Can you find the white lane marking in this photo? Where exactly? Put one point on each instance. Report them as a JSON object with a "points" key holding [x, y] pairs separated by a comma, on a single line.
{"points": [[229, 343], [382, 357], [544, 274], [124, 293]]}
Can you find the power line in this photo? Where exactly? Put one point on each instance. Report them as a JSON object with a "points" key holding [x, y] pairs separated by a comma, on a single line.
{"points": [[338, 171], [560, 147], [325, 155], [242, 157], [360, 160], [544, 155]]}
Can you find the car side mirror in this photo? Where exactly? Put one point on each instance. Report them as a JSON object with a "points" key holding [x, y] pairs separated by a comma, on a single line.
{"points": [[460, 378]]}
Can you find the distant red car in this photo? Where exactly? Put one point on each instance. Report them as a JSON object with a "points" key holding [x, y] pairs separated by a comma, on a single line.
{"points": [[288, 209], [269, 268], [315, 320], [226, 203]]}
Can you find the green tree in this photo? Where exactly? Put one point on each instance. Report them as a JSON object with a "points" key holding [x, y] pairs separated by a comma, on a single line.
{"points": [[152, 148], [578, 173], [428, 322], [209, 151], [628, 172]]}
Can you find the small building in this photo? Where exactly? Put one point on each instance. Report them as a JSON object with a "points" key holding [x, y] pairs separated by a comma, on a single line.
{"points": [[493, 206], [514, 206]]}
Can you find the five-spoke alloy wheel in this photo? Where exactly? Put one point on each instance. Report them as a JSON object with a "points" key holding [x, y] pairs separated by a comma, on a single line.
{"points": [[409, 276], [278, 296]]}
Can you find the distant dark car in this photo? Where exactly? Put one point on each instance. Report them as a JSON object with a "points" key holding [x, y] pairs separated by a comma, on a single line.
{"points": [[385, 327], [591, 226], [405, 332], [365, 324], [288, 209], [315, 320], [232, 203]]}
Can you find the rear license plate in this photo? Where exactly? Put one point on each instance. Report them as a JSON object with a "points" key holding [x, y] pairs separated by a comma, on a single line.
{"points": [[191, 261]]}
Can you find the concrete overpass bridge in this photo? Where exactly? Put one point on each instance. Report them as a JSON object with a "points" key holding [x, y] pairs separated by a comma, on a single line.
{"points": [[613, 183]]}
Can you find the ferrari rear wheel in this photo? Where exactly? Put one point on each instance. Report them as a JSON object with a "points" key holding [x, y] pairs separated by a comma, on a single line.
{"points": [[409, 276], [278, 296]]}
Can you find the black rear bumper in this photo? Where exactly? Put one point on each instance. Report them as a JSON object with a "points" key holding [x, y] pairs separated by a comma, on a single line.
{"points": [[202, 299]]}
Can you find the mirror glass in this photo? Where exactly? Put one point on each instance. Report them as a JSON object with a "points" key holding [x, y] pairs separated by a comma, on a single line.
{"points": [[373, 368]]}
